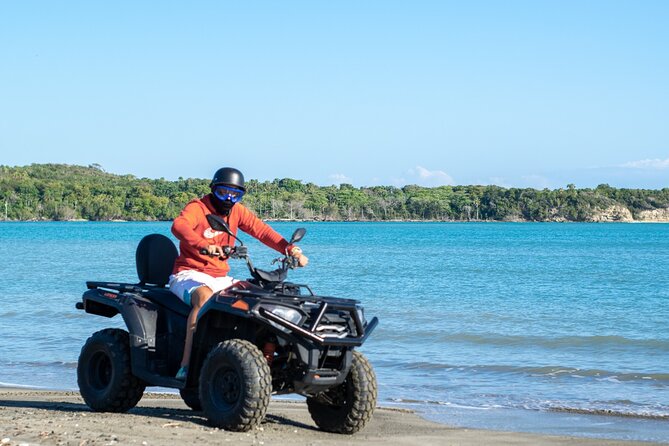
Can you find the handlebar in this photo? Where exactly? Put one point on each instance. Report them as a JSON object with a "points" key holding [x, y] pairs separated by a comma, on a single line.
{"points": [[241, 252]]}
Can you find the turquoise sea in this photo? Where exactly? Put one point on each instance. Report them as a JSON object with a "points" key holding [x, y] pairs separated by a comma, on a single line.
{"points": [[514, 326]]}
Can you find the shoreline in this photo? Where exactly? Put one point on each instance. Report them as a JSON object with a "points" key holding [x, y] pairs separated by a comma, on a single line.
{"points": [[61, 417], [401, 405], [287, 220]]}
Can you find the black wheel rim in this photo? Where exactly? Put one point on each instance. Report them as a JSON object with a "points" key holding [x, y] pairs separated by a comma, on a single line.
{"points": [[100, 371], [226, 388]]}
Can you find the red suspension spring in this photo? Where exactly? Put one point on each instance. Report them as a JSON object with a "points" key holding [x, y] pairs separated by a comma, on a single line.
{"points": [[268, 352]]}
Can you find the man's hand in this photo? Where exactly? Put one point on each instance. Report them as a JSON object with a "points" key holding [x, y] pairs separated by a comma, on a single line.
{"points": [[296, 252], [215, 250]]}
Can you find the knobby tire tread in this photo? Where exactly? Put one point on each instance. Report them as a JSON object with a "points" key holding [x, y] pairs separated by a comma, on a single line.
{"points": [[257, 383], [353, 416], [128, 389]]}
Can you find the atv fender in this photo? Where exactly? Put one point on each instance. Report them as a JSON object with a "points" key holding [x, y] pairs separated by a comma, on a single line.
{"points": [[141, 318], [139, 314], [101, 303]]}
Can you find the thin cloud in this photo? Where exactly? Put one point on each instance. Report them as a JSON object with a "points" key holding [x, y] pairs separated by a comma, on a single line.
{"points": [[532, 181], [339, 178], [654, 164], [426, 177]]}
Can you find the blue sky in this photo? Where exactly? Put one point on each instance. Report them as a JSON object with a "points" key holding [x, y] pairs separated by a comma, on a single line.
{"points": [[514, 93]]}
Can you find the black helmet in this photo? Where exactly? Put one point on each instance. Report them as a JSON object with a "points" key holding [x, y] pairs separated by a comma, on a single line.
{"points": [[228, 176]]}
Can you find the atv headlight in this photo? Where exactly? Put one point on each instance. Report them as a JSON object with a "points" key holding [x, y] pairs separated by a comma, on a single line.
{"points": [[289, 314]]}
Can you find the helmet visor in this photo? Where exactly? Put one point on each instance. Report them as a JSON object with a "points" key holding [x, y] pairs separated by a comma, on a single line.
{"points": [[225, 193]]}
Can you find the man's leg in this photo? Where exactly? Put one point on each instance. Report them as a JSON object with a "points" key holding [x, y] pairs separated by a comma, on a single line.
{"points": [[198, 298]]}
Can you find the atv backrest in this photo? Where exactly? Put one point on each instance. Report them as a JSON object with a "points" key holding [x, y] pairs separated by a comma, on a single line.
{"points": [[155, 258]]}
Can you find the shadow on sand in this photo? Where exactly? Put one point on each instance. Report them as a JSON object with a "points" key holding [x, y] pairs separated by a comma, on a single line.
{"points": [[180, 415]]}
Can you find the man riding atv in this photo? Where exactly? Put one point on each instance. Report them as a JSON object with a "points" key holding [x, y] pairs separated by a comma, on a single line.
{"points": [[202, 267], [255, 338]]}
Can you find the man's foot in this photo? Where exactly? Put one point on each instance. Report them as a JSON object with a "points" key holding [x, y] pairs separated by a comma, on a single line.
{"points": [[182, 373]]}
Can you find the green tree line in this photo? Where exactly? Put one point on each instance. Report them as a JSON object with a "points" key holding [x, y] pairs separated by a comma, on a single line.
{"points": [[66, 192]]}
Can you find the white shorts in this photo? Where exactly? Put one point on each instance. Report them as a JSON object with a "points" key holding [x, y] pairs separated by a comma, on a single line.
{"points": [[185, 282]]}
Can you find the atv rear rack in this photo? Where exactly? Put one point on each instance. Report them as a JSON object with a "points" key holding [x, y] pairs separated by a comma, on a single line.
{"points": [[122, 287]]}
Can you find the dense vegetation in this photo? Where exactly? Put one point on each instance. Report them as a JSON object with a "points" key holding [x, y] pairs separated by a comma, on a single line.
{"points": [[64, 192]]}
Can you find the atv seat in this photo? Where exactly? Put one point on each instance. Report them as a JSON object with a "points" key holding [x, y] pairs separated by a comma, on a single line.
{"points": [[167, 299], [155, 258], [278, 275]]}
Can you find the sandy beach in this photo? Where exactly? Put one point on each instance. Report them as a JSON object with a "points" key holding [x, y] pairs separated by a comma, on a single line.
{"points": [[61, 418]]}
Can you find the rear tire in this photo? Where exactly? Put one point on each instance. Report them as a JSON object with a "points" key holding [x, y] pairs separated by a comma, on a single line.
{"points": [[346, 408], [104, 375], [235, 385], [191, 397]]}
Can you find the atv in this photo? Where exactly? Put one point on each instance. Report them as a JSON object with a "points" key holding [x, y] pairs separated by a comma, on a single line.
{"points": [[259, 337]]}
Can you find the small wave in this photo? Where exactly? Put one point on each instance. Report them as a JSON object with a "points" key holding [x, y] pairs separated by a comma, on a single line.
{"points": [[4, 385], [544, 371], [643, 413], [604, 375], [440, 403], [598, 342], [40, 315], [39, 364], [46, 312], [610, 413]]}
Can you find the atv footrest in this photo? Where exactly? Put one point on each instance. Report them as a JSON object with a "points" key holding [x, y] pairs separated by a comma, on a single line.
{"points": [[325, 373], [323, 376], [161, 381], [319, 380]]}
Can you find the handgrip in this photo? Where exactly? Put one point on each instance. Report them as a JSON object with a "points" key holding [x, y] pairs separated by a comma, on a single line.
{"points": [[227, 251]]}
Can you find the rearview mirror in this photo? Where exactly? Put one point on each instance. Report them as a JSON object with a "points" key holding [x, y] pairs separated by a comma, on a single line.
{"points": [[297, 235], [218, 224]]}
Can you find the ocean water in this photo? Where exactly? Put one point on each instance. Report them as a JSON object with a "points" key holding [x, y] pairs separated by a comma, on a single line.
{"points": [[515, 326]]}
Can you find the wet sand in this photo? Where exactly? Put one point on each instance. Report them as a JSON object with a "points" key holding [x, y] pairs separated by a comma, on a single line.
{"points": [[62, 418]]}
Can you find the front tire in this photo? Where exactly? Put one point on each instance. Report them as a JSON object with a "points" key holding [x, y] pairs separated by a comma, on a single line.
{"points": [[104, 376], [235, 385], [346, 408]]}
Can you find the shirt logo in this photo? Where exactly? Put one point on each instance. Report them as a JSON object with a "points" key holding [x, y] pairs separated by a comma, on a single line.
{"points": [[210, 233]]}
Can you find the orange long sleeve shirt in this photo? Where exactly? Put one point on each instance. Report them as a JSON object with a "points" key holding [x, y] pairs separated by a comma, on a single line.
{"points": [[194, 233]]}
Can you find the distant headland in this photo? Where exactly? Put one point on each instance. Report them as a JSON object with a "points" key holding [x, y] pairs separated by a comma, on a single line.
{"points": [[70, 192]]}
